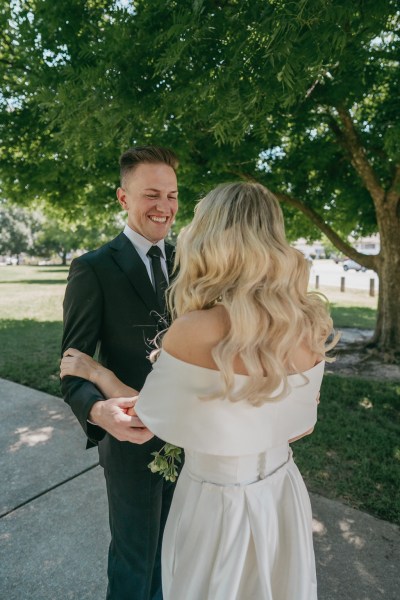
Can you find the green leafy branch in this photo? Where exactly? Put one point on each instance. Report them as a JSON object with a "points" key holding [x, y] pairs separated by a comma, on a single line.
{"points": [[165, 462]]}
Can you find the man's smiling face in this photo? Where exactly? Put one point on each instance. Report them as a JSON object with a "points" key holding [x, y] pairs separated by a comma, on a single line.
{"points": [[150, 197]]}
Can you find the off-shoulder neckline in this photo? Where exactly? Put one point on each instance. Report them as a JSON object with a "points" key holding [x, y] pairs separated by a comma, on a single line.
{"points": [[184, 362]]}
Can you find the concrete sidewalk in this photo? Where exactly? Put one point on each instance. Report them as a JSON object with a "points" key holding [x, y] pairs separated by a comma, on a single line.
{"points": [[54, 523]]}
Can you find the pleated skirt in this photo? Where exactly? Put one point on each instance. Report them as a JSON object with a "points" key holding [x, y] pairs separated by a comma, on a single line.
{"points": [[240, 542]]}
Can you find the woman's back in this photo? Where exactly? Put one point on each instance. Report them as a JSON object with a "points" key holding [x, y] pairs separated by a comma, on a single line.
{"points": [[240, 521], [228, 387], [193, 336]]}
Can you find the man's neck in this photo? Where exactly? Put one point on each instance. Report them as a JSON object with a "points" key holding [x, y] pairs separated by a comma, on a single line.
{"points": [[139, 241]]}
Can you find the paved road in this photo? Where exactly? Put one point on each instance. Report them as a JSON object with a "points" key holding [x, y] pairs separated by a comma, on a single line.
{"points": [[330, 275], [53, 517]]}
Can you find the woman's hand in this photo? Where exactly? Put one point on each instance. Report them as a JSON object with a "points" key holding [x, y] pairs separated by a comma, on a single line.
{"points": [[80, 364], [309, 432]]}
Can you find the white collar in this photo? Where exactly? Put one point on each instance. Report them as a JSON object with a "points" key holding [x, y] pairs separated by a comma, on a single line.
{"points": [[142, 243]]}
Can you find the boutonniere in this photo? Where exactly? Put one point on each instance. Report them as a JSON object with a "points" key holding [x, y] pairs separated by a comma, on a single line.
{"points": [[166, 461]]}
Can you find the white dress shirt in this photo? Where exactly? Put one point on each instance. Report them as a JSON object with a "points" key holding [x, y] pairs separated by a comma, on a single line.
{"points": [[142, 246]]}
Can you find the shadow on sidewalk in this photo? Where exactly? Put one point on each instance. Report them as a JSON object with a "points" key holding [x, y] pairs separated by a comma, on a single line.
{"points": [[54, 526]]}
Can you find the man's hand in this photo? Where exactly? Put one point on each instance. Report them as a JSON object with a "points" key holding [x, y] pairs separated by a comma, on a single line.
{"points": [[112, 416]]}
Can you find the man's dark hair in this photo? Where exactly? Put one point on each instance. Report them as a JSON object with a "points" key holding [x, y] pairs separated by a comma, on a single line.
{"points": [[137, 155]]}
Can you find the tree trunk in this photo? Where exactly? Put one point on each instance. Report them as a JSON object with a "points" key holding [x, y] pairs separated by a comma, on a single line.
{"points": [[387, 208], [387, 332], [386, 337]]}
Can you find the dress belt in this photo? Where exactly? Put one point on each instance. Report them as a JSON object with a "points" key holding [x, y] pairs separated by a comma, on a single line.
{"points": [[265, 470]]}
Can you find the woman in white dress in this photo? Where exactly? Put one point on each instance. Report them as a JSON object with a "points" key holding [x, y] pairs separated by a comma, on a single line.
{"points": [[237, 379]]}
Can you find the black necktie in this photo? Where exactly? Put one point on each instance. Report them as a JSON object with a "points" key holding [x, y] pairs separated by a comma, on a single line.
{"points": [[160, 283]]}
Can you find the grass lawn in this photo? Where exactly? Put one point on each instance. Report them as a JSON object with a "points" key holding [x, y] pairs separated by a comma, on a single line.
{"points": [[362, 317], [354, 308], [31, 325], [354, 452]]}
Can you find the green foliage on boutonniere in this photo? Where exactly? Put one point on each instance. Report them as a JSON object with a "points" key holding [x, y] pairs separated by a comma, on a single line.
{"points": [[165, 462]]}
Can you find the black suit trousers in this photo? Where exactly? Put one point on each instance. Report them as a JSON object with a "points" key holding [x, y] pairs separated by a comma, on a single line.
{"points": [[138, 509]]}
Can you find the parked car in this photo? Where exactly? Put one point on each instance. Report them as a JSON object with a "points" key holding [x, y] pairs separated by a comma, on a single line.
{"points": [[337, 258], [352, 264]]}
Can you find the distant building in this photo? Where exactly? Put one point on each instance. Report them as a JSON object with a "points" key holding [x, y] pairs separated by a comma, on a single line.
{"points": [[367, 245], [313, 249]]}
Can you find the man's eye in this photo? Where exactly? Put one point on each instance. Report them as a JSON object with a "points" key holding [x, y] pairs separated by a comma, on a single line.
{"points": [[151, 196]]}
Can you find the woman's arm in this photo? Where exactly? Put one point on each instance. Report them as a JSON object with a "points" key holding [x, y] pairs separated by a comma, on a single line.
{"points": [[309, 432], [82, 365], [117, 410]]}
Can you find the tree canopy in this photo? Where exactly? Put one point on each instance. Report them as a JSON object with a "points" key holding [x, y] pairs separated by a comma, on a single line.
{"points": [[300, 96], [18, 228], [238, 88], [45, 232]]}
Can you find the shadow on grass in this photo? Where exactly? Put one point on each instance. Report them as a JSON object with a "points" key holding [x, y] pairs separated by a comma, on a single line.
{"points": [[353, 454], [57, 270], [360, 317], [35, 281], [31, 353]]}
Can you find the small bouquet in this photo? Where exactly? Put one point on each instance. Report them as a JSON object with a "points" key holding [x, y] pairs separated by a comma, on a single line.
{"points": [[165, 462]]}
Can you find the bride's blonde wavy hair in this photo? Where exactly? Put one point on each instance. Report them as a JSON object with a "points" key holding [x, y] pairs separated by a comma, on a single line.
{"points": [[234, 252]]}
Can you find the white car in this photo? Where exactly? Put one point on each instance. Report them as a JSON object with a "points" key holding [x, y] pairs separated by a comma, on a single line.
{"points": [[352, 264]]}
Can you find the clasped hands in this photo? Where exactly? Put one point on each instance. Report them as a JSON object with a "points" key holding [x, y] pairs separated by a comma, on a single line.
{"points": [[116, 415]]}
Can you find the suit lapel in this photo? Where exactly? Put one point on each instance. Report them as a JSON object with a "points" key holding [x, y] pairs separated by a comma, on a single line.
{"points": [[129, 261]]}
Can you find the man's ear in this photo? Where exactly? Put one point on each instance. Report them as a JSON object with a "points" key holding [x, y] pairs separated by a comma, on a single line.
{"points": [[121, 195]]}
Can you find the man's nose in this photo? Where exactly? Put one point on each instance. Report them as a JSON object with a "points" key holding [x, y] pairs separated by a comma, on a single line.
{"points": [[162, 204]]}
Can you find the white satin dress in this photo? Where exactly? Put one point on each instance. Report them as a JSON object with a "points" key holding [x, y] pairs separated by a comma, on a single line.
{"points": [[239, 527]]}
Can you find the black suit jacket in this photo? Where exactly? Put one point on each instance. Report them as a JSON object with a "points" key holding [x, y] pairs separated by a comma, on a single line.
{"points": [[110, 306]]}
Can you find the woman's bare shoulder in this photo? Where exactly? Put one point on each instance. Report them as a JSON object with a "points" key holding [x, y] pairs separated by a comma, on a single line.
{"points": [[303, 359], [192, 336]]}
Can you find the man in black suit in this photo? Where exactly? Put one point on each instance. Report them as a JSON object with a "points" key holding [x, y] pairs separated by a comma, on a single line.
{"points": [[111, 304]]}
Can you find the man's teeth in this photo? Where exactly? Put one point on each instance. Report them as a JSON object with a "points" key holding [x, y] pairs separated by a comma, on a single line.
{"points": [[158, 219]]}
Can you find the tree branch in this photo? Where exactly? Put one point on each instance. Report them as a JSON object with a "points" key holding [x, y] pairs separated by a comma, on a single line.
{"points": [[393, 193], [359, 160], [367, 260], [333, 125], [14, 66]]}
